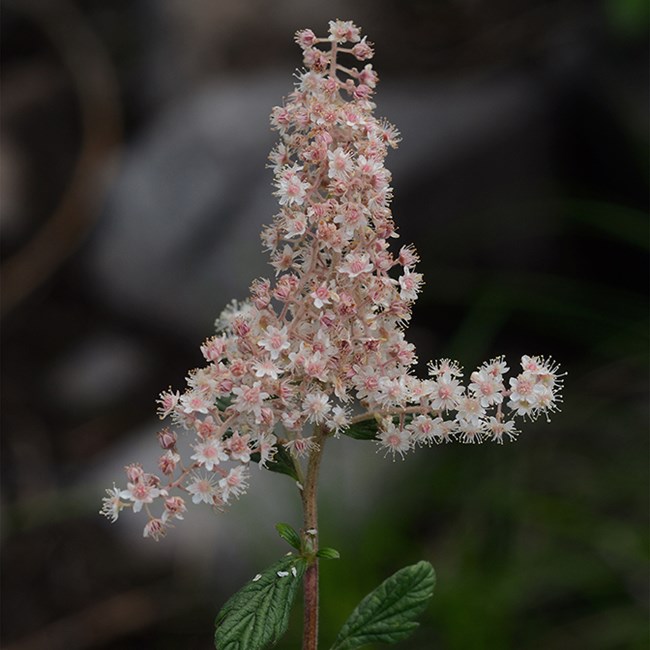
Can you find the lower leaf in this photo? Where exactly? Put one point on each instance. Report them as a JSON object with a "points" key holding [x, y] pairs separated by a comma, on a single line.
{"points": [[386, 615], [258, 614]]}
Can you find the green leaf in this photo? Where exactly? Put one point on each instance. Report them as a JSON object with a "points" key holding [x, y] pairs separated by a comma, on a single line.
{"points": [[365, 430], [282, 463], [223, 402], [258, 614], [328, 553], [386, 615], [289, 535]]}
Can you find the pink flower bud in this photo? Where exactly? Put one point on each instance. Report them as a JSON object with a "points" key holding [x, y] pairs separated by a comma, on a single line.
{"points": [[167, 438], [155, 529], [363, 50], [134, 472], [305, 38]]}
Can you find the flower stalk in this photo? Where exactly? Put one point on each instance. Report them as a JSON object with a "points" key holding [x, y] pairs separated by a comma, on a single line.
{"points": [[310, 543]]}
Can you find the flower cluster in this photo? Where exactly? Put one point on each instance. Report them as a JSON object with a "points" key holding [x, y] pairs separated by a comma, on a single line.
{"points": [[328, 331]]}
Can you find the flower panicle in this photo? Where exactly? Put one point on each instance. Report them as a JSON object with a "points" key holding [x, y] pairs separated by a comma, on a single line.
{"points": [[329, 328]]}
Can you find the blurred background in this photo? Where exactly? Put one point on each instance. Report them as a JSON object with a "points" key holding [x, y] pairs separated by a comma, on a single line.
{"points": [[134, 186]]}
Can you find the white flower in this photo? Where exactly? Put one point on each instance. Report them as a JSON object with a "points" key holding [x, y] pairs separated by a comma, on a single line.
{"points": [[355, 264], [487, 388], [275, 341], [316, 406], [446, 392], [393, 439], [340, 164], [266, 368], [112, 505], [290, 188], [470, 411], [266, 447], [141, 492], [235, 483], [250, 398], [238, 447], [204, 489], [339, 420], [497, 429], [193, 401], [209, 453], [410, 285]]}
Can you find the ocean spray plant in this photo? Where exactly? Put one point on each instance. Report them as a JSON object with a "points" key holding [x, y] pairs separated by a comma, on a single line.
{"points": [[320, 351]]}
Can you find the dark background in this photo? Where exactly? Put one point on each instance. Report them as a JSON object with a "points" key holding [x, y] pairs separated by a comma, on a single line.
{"points": [[134, 143]]}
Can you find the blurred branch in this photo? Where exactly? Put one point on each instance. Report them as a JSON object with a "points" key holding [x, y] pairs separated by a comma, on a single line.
{"points": [[96, 87]]}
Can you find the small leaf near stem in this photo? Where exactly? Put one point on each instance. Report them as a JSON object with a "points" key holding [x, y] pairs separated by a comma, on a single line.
{"points": [[289, 535]]}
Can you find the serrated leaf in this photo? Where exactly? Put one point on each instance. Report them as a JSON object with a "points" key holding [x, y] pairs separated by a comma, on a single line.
{"points": [[258, 614], [289, 535], [282, 463], [386, 615], [365, 430], [328, 553]]}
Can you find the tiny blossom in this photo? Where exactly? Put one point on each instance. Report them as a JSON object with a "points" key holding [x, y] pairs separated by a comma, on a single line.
{"points": [[155, 529], [141, 493], [445, 366], [339, 419], [471, 432], [393, 439], [250, 398], [445, 430], [446, 392], [167, 438], [112, 504], [205, 427], [321, 296], [235, 483], [291, 190], [340, 165], [267, 448], [204, 489], [168, 401], [343, 30], [423, 429], [316, 406], [275, 341], [238, 447], [266, 368], [300, 447], [284, 365], [168, 462], [470, 411], [355, 264], [210, 453], [486, 388], [497, 429], [194, 402], [174, 508]]}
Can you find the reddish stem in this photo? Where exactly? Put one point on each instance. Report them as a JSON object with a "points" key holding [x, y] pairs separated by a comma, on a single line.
{"points": [[310, 545]]}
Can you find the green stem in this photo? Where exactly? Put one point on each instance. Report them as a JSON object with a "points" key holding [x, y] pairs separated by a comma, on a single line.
{"points": [[310, 544]]}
